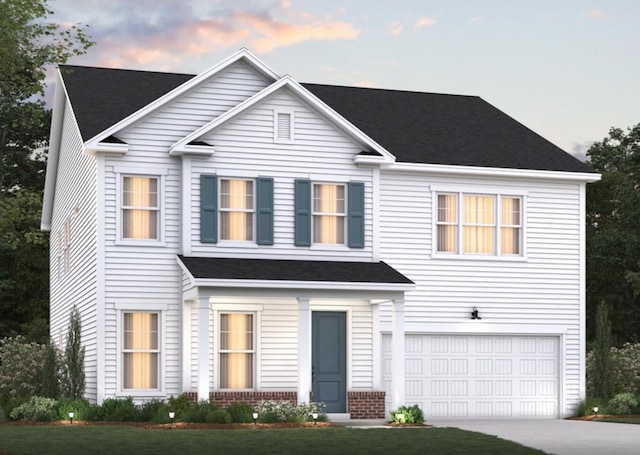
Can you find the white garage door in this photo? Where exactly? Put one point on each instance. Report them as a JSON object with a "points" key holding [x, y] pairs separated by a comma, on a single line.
{"points": [[479, 376]]}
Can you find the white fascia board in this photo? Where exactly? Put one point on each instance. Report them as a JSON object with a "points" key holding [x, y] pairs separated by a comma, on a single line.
{"points": [[180, 147], [493, 172], [242, 54], [315, 285], [53, 155], [108, 148]]}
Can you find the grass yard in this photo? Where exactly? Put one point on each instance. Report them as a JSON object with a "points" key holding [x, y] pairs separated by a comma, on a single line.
{"points": [[123, 439]]}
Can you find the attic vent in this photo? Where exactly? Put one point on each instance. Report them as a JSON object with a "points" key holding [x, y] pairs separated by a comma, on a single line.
{"points": [[283, 126]]}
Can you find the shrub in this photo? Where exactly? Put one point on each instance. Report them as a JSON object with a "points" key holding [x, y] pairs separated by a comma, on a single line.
{"points": [[218, 416], [285, 411], [155, 410], [622, 403], [585, 408], [408, 414], [180, 405], [115, 410], [94, 413], [240, 412], [74, 358], [21, 365], [38, 409], [197, 412], [79, 406]]}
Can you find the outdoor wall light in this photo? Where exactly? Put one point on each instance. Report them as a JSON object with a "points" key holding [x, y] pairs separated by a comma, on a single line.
{"points": [[314, 416], [255, 418], [71, 414], [474, 314]]}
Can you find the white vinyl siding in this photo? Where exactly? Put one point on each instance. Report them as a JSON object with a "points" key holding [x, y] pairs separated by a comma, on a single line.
{"points": [[541, 289], [75, 214], [241, 147]]}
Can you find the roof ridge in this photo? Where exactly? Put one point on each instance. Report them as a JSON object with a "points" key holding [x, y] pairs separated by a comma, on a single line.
{"points": [[382, 89], [130, 70]]}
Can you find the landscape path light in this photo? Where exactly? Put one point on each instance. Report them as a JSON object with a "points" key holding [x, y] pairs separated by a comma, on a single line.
{"points": [[71, 415]]}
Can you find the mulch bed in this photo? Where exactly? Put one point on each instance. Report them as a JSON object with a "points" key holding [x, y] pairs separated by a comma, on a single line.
{"points": [[178, 425]]}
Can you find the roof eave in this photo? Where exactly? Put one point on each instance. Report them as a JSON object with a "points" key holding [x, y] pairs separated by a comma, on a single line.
{"points": [[478, 171], [308, 285]]}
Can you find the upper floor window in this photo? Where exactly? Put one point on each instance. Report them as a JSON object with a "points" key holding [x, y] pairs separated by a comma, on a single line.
{"points": [[328, 213], [236, 210], [140, 208], [479, 224]]}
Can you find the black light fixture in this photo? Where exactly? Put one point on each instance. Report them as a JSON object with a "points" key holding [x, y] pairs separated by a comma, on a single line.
{"points": [[474, 314]]}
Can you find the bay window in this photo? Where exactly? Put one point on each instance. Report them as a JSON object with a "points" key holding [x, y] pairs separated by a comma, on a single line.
{"points": [[478, 224]]}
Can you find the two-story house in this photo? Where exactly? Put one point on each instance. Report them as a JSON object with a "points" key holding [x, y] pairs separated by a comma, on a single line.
{"points": [[239, 236]]}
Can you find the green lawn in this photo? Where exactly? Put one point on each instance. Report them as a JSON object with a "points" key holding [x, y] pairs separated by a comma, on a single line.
{"points": [[122, 439]]}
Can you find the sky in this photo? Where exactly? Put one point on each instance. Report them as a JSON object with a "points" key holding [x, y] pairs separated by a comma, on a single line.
{"points": [[567, 69]]}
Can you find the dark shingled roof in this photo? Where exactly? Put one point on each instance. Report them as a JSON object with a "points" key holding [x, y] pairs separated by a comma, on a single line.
{"points": [[292, 270], [416, 127]]}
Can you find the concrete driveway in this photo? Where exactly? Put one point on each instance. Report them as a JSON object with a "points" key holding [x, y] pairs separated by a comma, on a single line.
{"points": [[559, 437]]}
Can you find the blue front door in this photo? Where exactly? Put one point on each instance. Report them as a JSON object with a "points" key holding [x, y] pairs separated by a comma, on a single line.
{"points": [[329, 359]]}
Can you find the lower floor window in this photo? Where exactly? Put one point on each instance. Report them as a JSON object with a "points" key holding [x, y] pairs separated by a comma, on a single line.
{"points": [[237, 350], [140, 356]]}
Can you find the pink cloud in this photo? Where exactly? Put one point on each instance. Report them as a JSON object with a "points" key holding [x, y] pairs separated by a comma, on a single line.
{"points": [[278, 34], [425, 22], [596, 14], [395, 28]]}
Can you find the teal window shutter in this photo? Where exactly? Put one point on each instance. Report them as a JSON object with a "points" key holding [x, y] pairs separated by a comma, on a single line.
{"points": [[302, 229], [355, 217], [264, 210], [208, 208]]}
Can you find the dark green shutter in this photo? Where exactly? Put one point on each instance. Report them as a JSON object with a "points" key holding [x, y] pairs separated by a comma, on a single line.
{"points": [[264, 210], [208, 208], [355, 217], [302, 229]]}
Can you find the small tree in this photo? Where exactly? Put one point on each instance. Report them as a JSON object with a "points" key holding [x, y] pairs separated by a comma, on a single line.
{"points": [[74, 357], [50, 379], [602, 380]]}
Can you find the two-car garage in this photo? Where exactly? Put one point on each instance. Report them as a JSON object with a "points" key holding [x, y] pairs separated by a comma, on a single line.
{"points": [[478, 376]]}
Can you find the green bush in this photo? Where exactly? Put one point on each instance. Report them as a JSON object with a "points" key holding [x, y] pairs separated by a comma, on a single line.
{"points": [[197, 412], [79, 406], [181, 405], [38, 409], [21, 368], [116, 410], [155, 410], [240, 412], [622, 403], [219, 416], [285, 411], [408, 414], [586, 407], [94, 413]]}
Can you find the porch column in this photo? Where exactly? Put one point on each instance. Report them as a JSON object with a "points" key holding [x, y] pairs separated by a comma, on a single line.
{"points": [[397, 360], [304, 350], [203, 348]]}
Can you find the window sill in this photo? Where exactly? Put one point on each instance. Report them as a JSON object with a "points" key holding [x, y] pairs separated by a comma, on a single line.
{"points": [[236, 244], [478, 257], [329, 247], [154, 243], [140, 393]]}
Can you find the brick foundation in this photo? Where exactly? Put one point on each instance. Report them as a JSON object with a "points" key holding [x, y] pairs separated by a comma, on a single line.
{"points": [[366, 405], [224, 399]]}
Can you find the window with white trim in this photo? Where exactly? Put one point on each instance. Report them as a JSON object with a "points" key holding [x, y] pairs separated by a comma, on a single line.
{"points": [[237, 353], [140, 350], [237, 210], [329, 213], [479, 224], [140, 208]]}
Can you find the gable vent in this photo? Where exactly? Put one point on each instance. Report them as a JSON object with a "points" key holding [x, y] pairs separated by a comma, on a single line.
{"points": [[284, 130]]}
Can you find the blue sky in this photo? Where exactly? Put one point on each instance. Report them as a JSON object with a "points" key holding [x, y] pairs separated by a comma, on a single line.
{"points": [[567, 69]]}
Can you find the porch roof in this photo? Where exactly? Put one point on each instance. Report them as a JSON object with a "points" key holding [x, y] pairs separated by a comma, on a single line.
{"points": [[207, 268]]}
